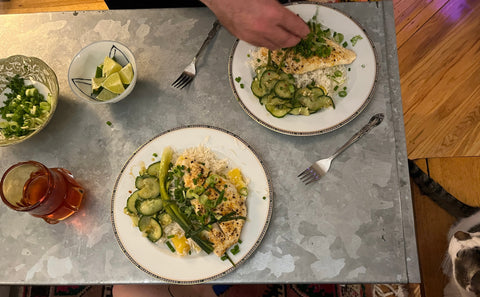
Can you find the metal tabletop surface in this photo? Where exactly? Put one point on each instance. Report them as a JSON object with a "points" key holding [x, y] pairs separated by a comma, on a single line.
{"points": [[353, 226]]}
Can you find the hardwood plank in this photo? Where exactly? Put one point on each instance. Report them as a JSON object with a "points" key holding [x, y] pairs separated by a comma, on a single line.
{"points": [[28, 6], [439, 75], [459, 176], [413, 16]]}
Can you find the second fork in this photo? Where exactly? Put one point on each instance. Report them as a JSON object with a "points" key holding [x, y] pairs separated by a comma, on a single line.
{"points": [[190, 71]]}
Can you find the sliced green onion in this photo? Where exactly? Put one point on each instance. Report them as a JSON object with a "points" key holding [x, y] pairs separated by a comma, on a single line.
{"points": [[170, 246]]}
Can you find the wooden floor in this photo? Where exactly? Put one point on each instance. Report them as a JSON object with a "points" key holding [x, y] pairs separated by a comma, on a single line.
{"points": [[439, 59]]}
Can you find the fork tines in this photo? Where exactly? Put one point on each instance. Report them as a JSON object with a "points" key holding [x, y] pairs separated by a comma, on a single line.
{"points": [[183, 80], [308, 176]]}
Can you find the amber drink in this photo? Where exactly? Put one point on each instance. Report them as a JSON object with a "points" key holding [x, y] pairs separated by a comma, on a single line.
{"points": [[49, 193]]}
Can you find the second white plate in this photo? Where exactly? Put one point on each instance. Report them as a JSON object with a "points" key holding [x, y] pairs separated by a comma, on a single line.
{"points": [[360, 85]]}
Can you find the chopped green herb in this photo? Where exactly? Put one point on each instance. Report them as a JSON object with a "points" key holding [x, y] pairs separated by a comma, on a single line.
{"points": [[355, 39], [363, 65], [109, 123], [155, 155], [338, 37], [264, 198], [24, 110], [338, 73], [242, 86], [342, 93], [238, 79], [170, 246], [170, 236], [345, 44], [235, 250], [336, 88]]}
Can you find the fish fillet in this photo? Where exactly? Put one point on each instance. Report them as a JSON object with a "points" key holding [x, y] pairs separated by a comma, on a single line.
{"points": [[224, 234], [296, 64]]}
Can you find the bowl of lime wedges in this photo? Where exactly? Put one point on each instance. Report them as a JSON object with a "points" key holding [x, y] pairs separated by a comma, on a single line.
{"points": [[103, 72]]}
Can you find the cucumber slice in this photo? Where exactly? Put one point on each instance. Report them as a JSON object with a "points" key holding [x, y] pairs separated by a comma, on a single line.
{"points": [[278, 107], [131, 202], [313, 98], [139, 180], [149, 187], [288, 77], [153, 169], [284, 89], [257, 89], [151, 227], [148, 207], [300, 111], [269, 79]]}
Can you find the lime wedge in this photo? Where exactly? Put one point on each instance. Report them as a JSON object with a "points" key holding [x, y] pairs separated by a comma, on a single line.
{"points": [[113, 83], [97, 82], [99, 71], [110, 66], [126, 74], [106, 95]]}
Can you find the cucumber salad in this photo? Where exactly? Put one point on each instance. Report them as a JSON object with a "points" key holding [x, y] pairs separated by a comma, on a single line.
{"points": [[190, 203]]}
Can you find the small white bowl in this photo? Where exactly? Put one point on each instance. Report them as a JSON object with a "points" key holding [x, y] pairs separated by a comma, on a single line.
{"points": [[84, 65]]}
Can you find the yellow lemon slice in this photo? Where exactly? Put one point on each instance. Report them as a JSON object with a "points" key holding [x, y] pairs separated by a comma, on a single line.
{"points": [[236, 176], [113, 83], [105, 95], [126, 74], [110, 66]]}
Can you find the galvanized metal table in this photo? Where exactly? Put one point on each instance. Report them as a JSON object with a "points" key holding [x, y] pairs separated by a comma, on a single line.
{"points": [[355, 225]]}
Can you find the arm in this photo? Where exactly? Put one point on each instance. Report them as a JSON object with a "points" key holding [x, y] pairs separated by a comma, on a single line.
{"points": [[259, 22]]}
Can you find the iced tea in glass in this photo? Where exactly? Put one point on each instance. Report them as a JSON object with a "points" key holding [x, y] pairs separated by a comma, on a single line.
{"points": [[49, 193]]}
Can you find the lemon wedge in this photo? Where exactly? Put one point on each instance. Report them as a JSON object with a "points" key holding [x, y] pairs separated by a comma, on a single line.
{"points": [[110, 66], [114, 84], [126, 74], [236, 176]]}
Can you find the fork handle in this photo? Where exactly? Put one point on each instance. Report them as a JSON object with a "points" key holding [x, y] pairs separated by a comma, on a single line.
{"points": [[374, 121], [211, 34]]}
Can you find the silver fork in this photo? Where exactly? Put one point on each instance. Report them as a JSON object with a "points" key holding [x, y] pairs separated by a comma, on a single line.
{"points": [[190, 71], [320, 168]]}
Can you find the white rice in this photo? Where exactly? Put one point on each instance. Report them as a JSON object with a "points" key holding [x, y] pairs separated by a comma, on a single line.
{"points": [[205, 155]]}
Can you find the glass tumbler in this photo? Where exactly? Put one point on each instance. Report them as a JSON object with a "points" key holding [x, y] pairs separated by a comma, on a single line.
{"points": [[48, 193]]}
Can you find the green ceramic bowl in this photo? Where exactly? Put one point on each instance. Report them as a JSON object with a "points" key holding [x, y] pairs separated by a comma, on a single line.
{"points": [[35, 72]]}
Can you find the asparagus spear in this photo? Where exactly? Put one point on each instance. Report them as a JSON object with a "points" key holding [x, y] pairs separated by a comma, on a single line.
{"points": [[172, 208]]}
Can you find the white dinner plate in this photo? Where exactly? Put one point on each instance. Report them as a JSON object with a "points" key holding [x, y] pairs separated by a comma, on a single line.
{"points": [[360, 85], [158, 260]]}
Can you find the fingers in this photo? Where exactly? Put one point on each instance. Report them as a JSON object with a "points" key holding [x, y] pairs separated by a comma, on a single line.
{"points": [[281, 38], [293, 24]]}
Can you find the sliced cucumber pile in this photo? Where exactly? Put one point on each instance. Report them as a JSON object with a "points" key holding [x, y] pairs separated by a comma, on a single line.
{"points": [[277, 91], [145, 205]]}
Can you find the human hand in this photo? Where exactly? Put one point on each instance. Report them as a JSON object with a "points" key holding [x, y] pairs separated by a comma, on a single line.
{"points": [[260, 22]]}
